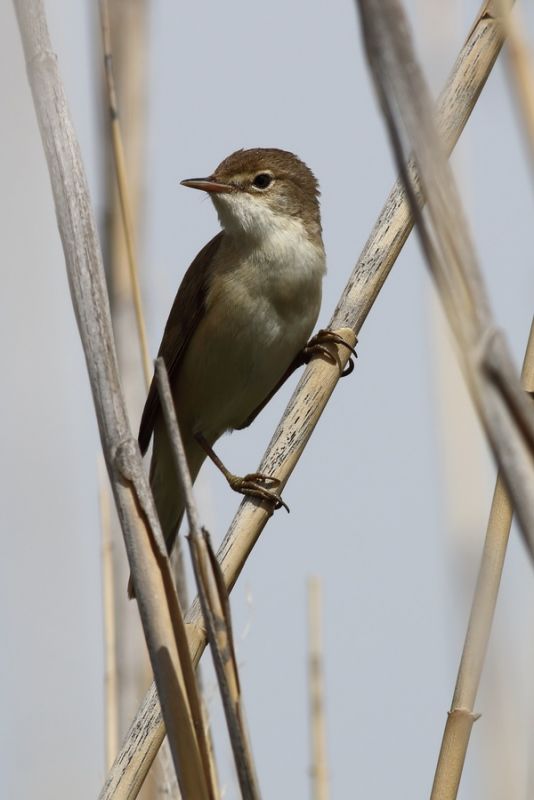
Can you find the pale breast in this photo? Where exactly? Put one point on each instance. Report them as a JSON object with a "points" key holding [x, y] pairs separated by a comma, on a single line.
{"points": [[261, 310]]}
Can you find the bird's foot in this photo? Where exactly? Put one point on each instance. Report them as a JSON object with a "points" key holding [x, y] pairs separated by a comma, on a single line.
{"points": [[318, 346], [257, 485], [254, 484]]}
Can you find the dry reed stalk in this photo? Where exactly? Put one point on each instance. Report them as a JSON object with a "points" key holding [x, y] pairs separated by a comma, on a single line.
{"points": [[124, 31], [319, 764], [319, 380], [451, 258], [185, 480], [124, 196], [504, 411], [111, 698], [128, 23], [463, 460], [521, 68], [214, 602], [518, 60], [460, 438], [127, 229], [461, 717], [157, 601], [125, 24]]}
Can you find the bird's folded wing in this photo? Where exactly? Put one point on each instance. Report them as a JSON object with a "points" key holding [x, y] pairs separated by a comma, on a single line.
{"points": [[186, 313]]}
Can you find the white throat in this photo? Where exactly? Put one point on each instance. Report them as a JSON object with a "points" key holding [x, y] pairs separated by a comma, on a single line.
{"points": [[281, 240]]}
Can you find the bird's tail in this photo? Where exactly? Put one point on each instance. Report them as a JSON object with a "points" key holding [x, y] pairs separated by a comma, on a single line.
{"points": [[166, 486]]}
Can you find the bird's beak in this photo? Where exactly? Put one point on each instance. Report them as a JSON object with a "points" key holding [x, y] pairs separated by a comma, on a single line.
{"points": [[211, 185]]}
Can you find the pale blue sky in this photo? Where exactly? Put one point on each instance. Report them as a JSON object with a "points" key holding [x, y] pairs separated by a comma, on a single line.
{"points": [[368, 507]]}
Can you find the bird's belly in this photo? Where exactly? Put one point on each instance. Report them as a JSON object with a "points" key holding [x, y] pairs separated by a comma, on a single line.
{"points": [[233, 362]]}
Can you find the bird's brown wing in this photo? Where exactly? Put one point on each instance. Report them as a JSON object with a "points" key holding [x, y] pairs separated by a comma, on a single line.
{"points": [[186, 312]]}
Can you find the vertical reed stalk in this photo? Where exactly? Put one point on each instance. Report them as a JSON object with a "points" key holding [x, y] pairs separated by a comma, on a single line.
{"points": [[111, 700], [319, 764], [461, 716], [520, 68], [124, 196]]}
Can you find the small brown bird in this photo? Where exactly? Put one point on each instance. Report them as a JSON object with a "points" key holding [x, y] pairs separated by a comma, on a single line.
{"points": [[241, 318]]}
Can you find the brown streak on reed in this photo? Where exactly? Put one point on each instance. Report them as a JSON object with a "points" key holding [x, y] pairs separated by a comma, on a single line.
{"points": [[391, 230]]}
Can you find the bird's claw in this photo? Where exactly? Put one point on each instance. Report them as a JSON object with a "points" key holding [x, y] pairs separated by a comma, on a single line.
{"points": [[349, 367], [253, 486], [317, 346]]}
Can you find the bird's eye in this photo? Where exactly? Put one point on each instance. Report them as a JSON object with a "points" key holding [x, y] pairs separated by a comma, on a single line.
{"points": [[262, 181]]}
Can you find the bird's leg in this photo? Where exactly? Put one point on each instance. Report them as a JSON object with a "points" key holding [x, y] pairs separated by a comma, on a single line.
{"points": [[252, 484], [317, 346]]}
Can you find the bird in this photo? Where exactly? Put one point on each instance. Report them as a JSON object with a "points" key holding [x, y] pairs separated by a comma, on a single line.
{"points": [[241, 320]]}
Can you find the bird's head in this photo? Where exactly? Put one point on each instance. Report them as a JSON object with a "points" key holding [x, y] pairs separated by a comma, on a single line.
{"points": [[263, 191]]}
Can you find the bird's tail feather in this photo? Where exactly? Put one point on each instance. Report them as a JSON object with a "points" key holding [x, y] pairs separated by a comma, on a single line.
{"points": [[166, 486]]}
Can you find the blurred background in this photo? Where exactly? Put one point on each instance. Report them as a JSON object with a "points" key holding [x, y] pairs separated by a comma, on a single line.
{"points": [[390, 500]]}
